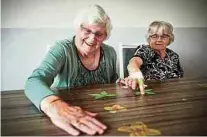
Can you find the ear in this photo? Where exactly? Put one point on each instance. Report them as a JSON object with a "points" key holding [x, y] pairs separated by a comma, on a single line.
{"points": [[148, 40], [106, 38], [170, 41]]}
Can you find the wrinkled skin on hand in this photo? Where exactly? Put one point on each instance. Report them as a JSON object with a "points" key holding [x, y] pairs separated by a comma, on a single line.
{"points": [[132, 83], [73, 119]]}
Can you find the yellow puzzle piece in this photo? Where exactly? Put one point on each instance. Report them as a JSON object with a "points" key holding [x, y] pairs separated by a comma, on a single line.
{"points": [[139, 129], [115, 108]]}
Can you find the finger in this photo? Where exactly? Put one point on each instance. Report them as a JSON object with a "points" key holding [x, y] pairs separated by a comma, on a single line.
{"points": [[118, 80], [91, 113], [92, 125], [66, 127], [130, 82], [122, 81], [134, 84], [141, 87], [95, 121], [145, 86], [126, 81], [84, 128]]}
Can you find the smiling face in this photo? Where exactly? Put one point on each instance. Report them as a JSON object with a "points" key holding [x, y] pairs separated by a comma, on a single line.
{"points": [[89, 38], [159, 40], [160, 35]]}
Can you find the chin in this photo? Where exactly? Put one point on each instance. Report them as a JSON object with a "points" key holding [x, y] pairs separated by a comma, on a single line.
{"points": [[160, 47]]}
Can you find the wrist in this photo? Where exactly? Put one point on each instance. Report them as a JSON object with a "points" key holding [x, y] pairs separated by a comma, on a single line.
{"points": [[46, 102], [140, 81], [132, 69], [136, 75]]}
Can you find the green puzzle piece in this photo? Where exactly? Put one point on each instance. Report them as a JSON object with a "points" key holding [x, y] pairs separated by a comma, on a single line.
{"points": [[147, 92], [102, 95]]}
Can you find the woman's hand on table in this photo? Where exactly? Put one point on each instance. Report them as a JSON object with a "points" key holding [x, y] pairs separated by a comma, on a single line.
{"points": [[71, 119]]}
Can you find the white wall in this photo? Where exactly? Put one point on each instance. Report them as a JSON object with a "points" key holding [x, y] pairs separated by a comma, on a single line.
{"points": [[29, 26], [124, 13]]}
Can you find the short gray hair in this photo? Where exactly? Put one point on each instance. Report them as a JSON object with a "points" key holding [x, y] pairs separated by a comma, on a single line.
{"points": [[162, 26], [94, 14]]}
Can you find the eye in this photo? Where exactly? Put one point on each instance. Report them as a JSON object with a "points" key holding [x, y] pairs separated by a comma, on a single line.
{"points": [[87, 30], [154, 36], [165, 36], [99, 34]]}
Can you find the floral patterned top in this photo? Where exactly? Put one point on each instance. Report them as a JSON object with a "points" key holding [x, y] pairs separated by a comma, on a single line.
{"points": [[154, 68], [86, 77]]}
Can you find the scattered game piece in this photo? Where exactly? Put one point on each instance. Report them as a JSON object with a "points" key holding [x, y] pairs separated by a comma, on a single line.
{"points": [[102, 95], [203, 85], [115, 108], [137, 93], [147, 92], [139, 129]]}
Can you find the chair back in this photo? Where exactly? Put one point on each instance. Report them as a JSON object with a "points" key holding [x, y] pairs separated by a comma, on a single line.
{"points": [[125, 53]]}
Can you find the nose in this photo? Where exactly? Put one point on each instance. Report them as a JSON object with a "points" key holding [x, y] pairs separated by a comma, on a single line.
{"points": [[159, 38], [92, 36]]}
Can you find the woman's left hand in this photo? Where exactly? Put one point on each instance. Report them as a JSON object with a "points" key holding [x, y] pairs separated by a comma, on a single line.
{"points": [[71, 119]]}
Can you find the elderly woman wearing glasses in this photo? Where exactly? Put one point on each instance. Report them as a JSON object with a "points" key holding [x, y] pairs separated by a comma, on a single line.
{"points": [[79, 61], [154, 61]]}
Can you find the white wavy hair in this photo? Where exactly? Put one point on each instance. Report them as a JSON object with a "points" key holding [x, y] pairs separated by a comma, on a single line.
{"points": [[94, 14], [160, 27]]}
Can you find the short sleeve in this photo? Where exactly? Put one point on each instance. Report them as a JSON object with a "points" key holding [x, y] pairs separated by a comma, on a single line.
{"points": [[180, 70], [144, 52]]}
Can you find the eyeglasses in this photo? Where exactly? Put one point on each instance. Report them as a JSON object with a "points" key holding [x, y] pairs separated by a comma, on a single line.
{"points": [[88, 32], [156, 37]]}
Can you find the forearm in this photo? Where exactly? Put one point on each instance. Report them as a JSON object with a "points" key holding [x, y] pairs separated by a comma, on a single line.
{"points": [[134, 65], [36, 90]]}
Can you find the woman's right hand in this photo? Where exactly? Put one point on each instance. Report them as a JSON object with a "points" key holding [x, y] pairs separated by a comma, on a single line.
{"points": [[135, 78], [138, 81], [71, 119], [133, 83]]}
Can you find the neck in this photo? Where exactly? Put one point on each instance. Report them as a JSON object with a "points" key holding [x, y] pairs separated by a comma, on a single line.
{"points": [[161, 53], [90, 61], [86, 56]]}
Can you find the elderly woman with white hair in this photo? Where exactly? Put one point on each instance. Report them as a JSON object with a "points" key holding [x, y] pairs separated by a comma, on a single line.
{"points": [[80, 61], [154, 61]]}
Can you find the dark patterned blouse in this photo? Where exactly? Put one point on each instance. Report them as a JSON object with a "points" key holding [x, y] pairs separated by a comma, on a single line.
{"points": [[157, 69], [87, 77]]}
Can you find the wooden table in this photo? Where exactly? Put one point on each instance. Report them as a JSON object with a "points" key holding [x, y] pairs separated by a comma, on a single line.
{"points": [[179, 107]]}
